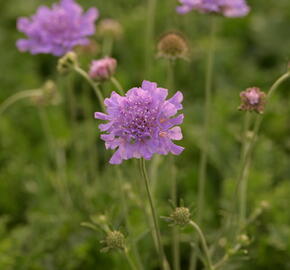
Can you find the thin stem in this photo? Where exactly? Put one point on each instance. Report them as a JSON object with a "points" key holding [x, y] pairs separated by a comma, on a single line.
{"points": [[202, 175], [108, 45], [243, 188], [18, 96], [151, 10], [130, 261], [127, 221], [161, 253], [204, 244], [226, 257], [175, 232], [93, 85], [117, 84], [258, 121]]}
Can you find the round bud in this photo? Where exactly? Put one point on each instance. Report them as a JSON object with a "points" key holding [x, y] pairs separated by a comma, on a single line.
{"points": [[103, 69], [172, 46], [243, 239], [181, 216], [67, 62], [114, 240], [253, 99]]}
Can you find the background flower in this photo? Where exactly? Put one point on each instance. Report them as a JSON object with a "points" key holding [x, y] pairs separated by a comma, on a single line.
{"points": [[58, 29], [142, 123]]}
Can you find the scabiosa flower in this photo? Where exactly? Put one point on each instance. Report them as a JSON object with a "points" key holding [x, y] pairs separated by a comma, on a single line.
{"points": [[253, 99], [103, 69], [58, 29], [142, 123], [227, 8]]}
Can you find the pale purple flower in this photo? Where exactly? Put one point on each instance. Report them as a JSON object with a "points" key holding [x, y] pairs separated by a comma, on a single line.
{"points": [[227, 8], [142, 123], [103, 69], [57, 30]]}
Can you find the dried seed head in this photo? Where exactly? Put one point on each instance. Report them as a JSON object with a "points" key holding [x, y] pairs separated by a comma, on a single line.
{"points": [[253, 99], [172, 46], [114, 240], [67, 62], [180, 216], [110, 27]]}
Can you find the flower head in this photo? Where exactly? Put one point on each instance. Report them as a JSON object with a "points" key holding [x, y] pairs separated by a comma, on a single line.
{"points": [[227, 8], [142, 123], [103, 69], [172, 45], [253, 99], [58, 29], [114, 240], [111, 28]]}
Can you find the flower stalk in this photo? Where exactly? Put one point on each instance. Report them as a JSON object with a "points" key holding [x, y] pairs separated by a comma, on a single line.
{"points": [[117, 84], [161, 253]]}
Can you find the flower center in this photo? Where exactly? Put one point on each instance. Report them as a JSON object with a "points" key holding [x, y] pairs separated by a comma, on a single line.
{"points": [[138, 119]]}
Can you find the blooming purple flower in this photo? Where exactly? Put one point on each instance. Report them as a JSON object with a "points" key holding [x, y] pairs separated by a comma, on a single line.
{"points": [[103, 69], [227, 8], [58, 29], [142, 123]]}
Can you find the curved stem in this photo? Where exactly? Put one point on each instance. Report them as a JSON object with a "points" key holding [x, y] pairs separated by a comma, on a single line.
{"points": [[202, 175], [258, 121], [93, 85], [226, 257], [18, 96], [161, 253], [117, 84], [204, 244]]}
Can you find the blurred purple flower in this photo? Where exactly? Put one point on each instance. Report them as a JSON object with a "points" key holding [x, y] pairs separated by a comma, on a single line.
{"points": [[253, 99], [227, 8], [58, 29], [103, 69], [142, 123]]}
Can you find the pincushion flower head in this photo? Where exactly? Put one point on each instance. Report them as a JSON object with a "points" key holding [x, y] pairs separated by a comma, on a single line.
{"points": [[142, 123], [57, 30], [253, 99], [227, 8], [103, 69]]}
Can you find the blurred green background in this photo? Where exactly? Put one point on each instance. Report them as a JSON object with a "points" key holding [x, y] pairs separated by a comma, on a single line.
{"points": [[46, 192]]}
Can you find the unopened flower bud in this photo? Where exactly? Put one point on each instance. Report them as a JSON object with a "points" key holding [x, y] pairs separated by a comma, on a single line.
{"points": [[110, 27], [243, 239], [180, 216], [172, 46], [67, 62], [48, 95], [114, 240], [103, 69], [253, 99], [264, 205]]}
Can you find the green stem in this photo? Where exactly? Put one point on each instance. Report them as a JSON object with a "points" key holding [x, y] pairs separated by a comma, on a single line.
{"points": [[130, 261], [18, 96], [226, 257], [175, 232], [108, 45], [204, 244], [244, 182], [127, 221], [151, 10], [117, 84], [245, 164], [97, 90], [204, 151], [162, 257]]}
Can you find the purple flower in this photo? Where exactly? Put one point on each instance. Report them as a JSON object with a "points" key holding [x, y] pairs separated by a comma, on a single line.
{"points": [[103, 69], [227, 8], [142, 123], [58, 29]]}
